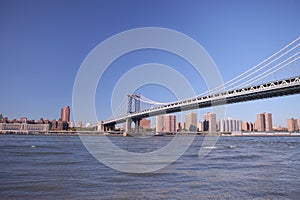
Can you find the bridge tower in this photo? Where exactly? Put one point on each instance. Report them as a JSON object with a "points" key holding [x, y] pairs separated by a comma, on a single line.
{"points": [[133, 101]]}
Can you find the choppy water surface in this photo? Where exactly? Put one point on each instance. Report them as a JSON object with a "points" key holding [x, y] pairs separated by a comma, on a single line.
{"points": [[59, 167]]}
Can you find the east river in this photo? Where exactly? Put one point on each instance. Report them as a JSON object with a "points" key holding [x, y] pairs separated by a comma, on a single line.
{"points": [[59, 167]]}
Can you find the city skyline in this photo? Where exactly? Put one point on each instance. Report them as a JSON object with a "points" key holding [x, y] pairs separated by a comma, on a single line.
{"points": [[164, 123], [263, 121], [210, 123], [44, 45]]}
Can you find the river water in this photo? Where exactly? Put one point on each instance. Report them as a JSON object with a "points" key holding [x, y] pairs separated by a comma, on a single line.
{"points": [[59, 167]]}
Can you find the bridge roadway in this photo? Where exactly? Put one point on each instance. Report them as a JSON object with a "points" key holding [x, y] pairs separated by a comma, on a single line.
{"points": [[268, 90]]}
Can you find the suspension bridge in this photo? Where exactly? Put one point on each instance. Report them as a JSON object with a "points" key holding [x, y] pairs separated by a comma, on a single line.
{"points": [[277, 75]]}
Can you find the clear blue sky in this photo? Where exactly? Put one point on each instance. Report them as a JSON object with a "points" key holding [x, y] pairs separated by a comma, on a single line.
{"points": [[43, 43]]}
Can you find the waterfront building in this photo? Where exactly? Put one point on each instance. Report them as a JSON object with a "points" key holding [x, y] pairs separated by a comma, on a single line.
{"points": [[260, 122], [23, 127], [5, 120], [160, 126], [1, 116], [145, 123], [230, 125], [247, 126], [71, 124], [200, 126], [292, 125], [62, 125], [41, 121], [251, 126], [268, 121], [79, 124], [180, 126], [264, 122], [218, 125], [280, 128], [191, 121], [166, 123], [210, 122], [15, 121], [65, 114], [53, 125], [23, 120], [58, 125], [171, 123]]}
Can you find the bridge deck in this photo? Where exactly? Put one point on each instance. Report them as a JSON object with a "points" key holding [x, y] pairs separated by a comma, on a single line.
{"points": [[267, 90]]}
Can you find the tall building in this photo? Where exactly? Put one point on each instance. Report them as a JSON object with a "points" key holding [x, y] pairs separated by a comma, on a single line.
{"points": [[296, 125], [166, 123], [180, 126], [65, 114], [210, 122], [292, 125], [268, 121], [260, 123], [191, 121], [200, 126], [264, 122], [145, 123], [251, 126], [160, 124], [171, 123], [1, 116], [247, 126]]}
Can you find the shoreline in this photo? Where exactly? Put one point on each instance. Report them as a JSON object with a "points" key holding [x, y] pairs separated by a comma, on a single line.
{"points": [[101, 134]]}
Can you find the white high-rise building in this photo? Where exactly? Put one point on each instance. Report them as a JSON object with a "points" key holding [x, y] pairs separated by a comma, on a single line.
{"points": [[230, 125]]}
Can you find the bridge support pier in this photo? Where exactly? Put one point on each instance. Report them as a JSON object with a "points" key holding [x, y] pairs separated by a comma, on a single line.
{"points": [[110, 128], [128, 128], [103, 128], [128, 125], [137, 125], [100, 126]]}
